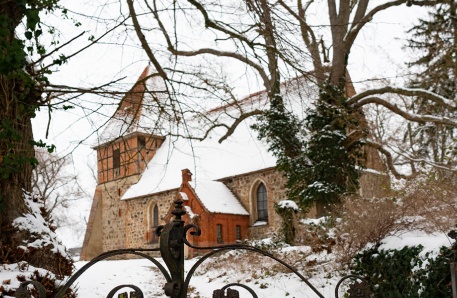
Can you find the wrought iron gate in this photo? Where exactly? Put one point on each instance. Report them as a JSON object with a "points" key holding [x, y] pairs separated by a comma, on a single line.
{"points": [[172, 241]]}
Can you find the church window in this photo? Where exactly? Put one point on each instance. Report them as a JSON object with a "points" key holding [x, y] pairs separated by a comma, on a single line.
{"points": [[262, 203], [153, 224], [141, 162], [219, 233], [141, 142], [156, 216], [238, 232]]}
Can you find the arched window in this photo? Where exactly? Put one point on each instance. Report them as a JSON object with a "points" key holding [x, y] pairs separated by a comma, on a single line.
{"points": [[262, 203], [153, 223]]}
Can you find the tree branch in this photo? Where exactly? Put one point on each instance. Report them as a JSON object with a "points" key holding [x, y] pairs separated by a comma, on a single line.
{"points": [[211, 24], [403, 91], [143, 41], [408, 116], [389, 160], [238, 120], [218, 53]]}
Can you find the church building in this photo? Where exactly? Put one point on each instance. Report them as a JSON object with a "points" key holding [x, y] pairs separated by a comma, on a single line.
{"points": [[229, 188]]}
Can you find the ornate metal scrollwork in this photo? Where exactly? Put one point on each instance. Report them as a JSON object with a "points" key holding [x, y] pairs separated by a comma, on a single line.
{"points": [[357, 289], [137, 293], [232, 293]]}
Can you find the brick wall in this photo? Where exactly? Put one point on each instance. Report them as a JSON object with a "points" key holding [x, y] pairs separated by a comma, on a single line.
{"points": [[135, 151]]}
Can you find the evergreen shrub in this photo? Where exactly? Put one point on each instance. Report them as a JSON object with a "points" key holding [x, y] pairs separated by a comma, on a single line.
{"points": [[408, 272]]}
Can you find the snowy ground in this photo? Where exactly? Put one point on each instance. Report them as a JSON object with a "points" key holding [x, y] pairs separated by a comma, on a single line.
{"points": [[265, 277], [98, 281]]}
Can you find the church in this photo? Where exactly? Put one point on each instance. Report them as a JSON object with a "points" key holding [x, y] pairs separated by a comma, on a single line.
{"points": [[229, 187]]}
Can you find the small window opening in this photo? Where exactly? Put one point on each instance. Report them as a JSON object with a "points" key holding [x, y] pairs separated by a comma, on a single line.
{"points": [[219, 233]]}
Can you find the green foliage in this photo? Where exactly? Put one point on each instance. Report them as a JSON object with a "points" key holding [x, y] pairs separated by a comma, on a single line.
{"points": [[12, 55], [321, 167], [283, 132], [405, 273], [22, 85], [10, 161], [288, 229], [50, 148], [333, 169]]}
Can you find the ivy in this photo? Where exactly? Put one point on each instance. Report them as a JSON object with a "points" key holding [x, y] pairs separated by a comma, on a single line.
{"points": [[283, 132], [287, 229], [50, 148], [333, 171], [319, 165], [22, 94]]}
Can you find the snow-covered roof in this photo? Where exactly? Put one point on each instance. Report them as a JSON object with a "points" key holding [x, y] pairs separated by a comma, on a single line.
{"points": [[242, 152], [217, 198], [208, 160], [139, 110]]}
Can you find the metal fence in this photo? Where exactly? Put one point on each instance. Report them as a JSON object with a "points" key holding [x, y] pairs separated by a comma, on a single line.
{"points": [[172, 241]]}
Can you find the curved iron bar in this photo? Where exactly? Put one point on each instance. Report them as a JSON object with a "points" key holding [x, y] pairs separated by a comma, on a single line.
{"points": [[343, 279], [158, 230], [186, 228], [112, 253], [138, 292], [220, 248], [22, 290], [242, 286], [250, 248], [172, 240]]}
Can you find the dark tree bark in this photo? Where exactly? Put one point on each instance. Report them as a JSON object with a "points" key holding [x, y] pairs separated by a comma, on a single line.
{"points": [[20, 95], [17, 106]]}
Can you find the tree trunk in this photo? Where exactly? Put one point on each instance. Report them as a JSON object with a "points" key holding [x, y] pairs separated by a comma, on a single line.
{"points": [[20, 95], [17, 107], [17, 174]]}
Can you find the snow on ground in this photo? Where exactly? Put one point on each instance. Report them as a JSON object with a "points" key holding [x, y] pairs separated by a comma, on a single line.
{"points": [[103, 277], [265, 277]]}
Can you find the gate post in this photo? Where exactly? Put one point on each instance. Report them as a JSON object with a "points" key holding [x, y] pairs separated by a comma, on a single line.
{"points": [[172, 251], [454, 279]]}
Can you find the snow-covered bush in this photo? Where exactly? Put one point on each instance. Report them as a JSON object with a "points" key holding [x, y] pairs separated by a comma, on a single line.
{"points": [[287, 210], [40, 257], [408, 272]]}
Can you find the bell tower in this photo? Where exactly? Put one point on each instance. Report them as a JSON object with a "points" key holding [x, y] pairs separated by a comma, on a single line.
{"points": [[125, 147]]}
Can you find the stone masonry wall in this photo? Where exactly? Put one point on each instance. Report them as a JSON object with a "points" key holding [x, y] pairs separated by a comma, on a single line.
{"points": [[138, 211], [245, 187], [125, 223], [114, 212]]}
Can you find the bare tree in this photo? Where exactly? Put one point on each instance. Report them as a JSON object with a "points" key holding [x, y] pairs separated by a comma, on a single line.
{"points": [[54, 181], [276, 41]]}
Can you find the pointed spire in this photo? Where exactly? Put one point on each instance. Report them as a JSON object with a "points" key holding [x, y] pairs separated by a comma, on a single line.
{"points": [[131, 104]]}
